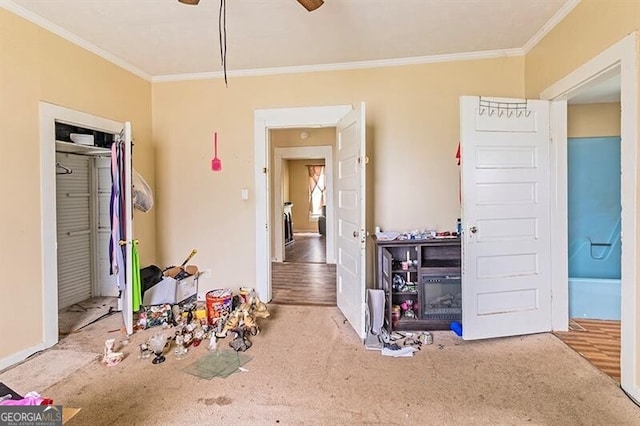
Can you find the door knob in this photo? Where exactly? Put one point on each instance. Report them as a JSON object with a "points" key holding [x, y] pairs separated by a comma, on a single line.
{"points": [[473, 229], [355, 234]]}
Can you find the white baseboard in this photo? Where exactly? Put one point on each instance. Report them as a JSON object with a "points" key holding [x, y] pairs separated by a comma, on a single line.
{"points": [[20, 356]]}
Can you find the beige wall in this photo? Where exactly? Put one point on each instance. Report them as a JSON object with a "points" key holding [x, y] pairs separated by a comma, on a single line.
{"points": [[412, 124], [36, 65], [592, 120], [590, 28], [299, 194]]}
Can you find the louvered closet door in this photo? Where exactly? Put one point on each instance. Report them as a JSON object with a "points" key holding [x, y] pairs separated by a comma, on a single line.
{"points": [[73, 204]]}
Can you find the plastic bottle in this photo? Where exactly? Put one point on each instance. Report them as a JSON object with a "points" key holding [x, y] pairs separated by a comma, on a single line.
{"points": [[459, 227]]}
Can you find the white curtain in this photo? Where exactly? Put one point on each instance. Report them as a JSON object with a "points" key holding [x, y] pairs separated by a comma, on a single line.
{"points": [[317, 187]]}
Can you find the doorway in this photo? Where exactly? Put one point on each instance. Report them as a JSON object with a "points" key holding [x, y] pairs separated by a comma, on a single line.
{"points": [[594, 222], [86, 289], [51, 146], [623, 56], [303, 269]]}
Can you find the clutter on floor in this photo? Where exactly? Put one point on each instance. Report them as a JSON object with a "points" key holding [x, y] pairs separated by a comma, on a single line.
{"points": [[403, 344], [10, 401], [184, 325]]}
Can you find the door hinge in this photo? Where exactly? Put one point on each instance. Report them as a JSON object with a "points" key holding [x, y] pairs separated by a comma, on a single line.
{"points": [[264, 170]]}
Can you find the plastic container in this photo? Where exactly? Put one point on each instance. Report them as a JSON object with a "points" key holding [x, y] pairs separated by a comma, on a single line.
{"points": [[245, 293], [218, 304], [81, 139], [456, 327]]}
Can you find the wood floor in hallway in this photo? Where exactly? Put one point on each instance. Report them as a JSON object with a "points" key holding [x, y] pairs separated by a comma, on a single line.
{"points": [[596, 340], [306, 248], [303, 283]]}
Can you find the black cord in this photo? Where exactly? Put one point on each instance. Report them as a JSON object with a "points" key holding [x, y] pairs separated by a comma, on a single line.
{"points": [[222, 37]]}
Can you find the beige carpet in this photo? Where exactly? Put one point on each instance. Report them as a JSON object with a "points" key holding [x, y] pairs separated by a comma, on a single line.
{"points": [[309, 367]]}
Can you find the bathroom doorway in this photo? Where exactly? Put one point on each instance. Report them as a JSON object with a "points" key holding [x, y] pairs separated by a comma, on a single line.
{"points": [[594, 222]]}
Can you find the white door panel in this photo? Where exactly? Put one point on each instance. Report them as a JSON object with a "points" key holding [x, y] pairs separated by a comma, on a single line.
{"points": [[127, 295], [125, 280], [106, 283], [350, 207], [506, 242]]}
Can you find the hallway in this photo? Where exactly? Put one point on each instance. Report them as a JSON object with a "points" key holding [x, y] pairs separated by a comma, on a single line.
{"points": [[304, 278], [306, 248]]}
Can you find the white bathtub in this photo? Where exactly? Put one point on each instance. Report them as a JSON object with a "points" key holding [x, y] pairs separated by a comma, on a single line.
{"points": [[594, 298]]}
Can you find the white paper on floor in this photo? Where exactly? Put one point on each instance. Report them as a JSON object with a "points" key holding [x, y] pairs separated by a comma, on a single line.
{"points": [[402, 352]]}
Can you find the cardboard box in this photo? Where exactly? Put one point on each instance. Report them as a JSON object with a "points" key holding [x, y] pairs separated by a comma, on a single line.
{"points": [[171, 291]]}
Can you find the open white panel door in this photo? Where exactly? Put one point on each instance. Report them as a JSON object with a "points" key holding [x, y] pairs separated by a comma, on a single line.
{"points": [[350, 206], [122, 225], [506, 274]]}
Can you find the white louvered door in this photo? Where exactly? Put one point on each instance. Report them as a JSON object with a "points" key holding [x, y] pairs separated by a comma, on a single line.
{"points": [[73, 209]]}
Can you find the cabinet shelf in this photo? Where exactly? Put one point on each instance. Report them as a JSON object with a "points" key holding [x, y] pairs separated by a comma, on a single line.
{"points": [[405, 293]]}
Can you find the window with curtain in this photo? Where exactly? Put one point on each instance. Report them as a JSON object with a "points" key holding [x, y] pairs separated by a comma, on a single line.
{"points": [[317, 187]]}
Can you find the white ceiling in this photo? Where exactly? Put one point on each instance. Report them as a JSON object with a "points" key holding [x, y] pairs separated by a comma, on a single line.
{"points": [[156, 38]]}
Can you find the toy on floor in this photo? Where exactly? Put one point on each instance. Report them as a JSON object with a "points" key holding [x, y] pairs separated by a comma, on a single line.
{"points": [[240, 343], [242, 321], [110, 357]]}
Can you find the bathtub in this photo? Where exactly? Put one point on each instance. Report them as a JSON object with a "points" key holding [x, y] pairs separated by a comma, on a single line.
{"points": [[594, 298]]}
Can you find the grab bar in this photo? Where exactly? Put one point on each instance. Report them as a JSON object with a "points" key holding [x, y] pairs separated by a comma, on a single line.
{"points": [[592, 245]]}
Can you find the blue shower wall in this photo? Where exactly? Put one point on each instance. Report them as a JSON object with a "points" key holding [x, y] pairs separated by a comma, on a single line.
{"points": [[594, 207]]}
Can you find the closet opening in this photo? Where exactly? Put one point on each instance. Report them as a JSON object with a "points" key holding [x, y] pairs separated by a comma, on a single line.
{"points": [[87, 291]]}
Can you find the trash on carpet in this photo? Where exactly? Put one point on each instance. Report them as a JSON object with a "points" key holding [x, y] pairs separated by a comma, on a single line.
{"points": [[181, 327], [403, 344], [10, 400], [110, 357]]}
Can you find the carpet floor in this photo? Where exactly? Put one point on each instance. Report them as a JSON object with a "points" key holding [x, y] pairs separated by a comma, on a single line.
{"points": [[309, 367]]}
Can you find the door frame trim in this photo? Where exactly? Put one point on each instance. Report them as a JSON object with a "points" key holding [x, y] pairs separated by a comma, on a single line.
{"points": [[264, 120], [49, 114], [301, 153], [623, 54]]}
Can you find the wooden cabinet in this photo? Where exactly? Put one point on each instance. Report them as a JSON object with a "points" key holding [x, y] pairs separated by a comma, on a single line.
{"points": [[422, 282]]}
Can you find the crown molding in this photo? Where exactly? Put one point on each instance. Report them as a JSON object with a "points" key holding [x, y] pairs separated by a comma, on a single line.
{"points": [[48, 25], [468, 56], [550, 24]]}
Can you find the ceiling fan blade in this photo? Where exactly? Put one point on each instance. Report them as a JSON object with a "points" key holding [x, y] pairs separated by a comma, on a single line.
{"points": [[311, 5], [191, 2]]}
